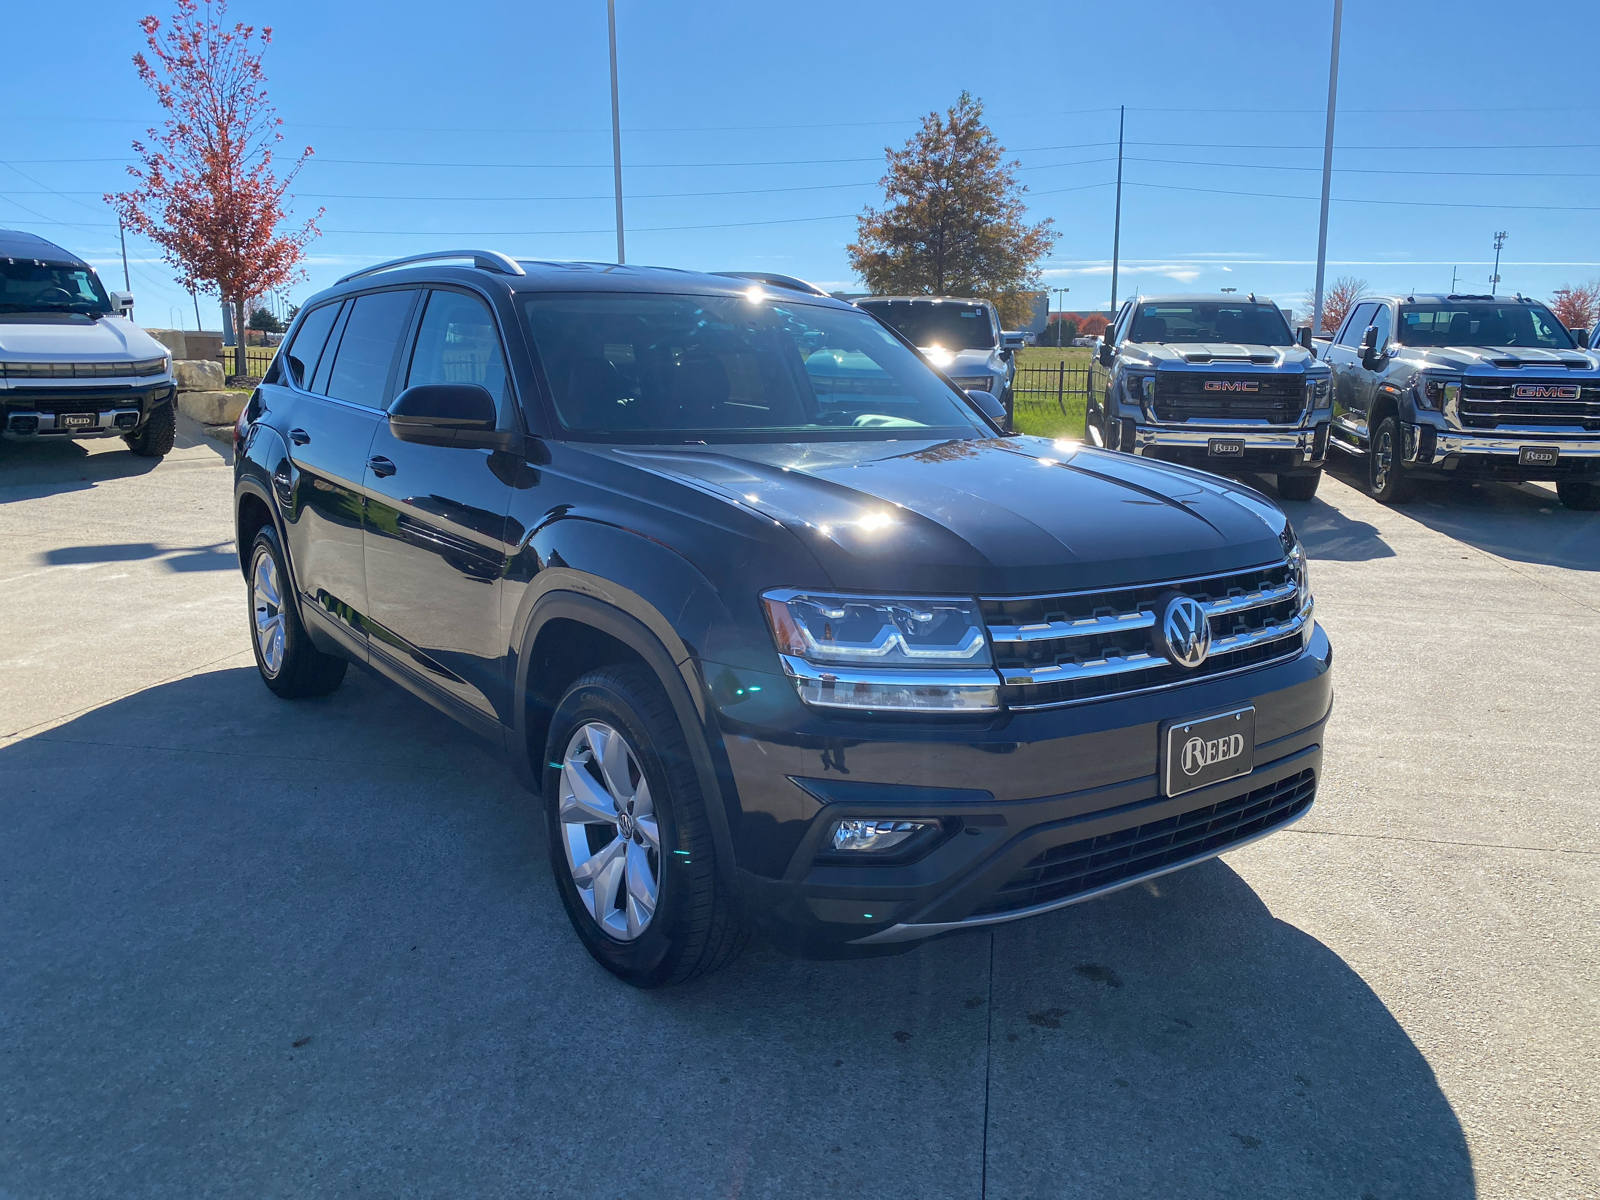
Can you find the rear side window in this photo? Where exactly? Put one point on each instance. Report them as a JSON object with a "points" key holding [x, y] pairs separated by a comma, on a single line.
{"points": [[366, 350], [458, 343], [306, 348]]}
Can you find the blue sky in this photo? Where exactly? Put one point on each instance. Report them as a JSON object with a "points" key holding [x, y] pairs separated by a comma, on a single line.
{"points": [[753, 132]]}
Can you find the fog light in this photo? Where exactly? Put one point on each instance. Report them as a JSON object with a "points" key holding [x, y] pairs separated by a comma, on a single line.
{"points": [[127, 420], [869, 837], [24, 425]]}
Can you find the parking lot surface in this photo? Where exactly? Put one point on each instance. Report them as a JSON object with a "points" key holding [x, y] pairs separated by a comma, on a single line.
{"points": [[257, 948]]}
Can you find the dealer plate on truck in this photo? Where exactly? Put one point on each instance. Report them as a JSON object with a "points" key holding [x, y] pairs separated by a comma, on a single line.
{"points": [[1538, 456], [1208, 750], [1225, 447], [77, 420]]}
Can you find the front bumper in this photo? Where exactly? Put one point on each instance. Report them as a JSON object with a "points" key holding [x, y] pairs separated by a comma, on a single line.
{"points": [[1006, 792], [1266, 448], [1497, 454], [31, 413]]}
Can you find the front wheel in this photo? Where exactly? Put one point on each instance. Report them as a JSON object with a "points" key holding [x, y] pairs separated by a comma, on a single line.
{"points": [[630, 844], [156, 438], [1386, 477], [1298, 487], [289, 664], [1579, 495]]}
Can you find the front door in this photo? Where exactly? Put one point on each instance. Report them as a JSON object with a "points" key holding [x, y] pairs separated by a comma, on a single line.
{"points": [[1344, 357], [437, 541]]}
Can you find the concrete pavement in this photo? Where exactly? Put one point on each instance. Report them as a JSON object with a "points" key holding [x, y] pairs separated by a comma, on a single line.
{"points": [[256, 948]]}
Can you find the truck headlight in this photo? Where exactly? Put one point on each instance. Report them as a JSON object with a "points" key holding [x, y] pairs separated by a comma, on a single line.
{"points": [[888, 654], [1140, 387], [1441, 395], [1319, 393]]}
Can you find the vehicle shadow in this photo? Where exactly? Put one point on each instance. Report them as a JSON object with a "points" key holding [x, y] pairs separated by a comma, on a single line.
{"points": [[29, 470], [1326, 532], [270, 947], [219, 556], [1522, 522]]}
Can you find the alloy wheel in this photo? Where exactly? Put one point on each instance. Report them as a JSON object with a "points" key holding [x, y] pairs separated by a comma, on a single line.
{"points": [[1382, 460], [609, 831], [266, 603]]}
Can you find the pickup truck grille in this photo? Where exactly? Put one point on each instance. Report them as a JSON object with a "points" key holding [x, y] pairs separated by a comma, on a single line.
{"points": [[1280, 399], [1565, 403], [1080, 646]]}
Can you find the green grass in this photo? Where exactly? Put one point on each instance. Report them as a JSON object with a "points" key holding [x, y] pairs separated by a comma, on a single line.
{"points": [[1049, 356], [1046, 420], [1037, 412]]}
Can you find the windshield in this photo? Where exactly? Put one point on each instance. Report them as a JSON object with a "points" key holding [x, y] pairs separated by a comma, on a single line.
{"points": [[1482, 323], [1243, 323], [942, 323], [53, 287], [650, 368]]}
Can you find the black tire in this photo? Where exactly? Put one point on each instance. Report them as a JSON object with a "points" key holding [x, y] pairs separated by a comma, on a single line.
{"points": [[1298, 487], [302, 670], [1579, 495], [155, 439], [1386, 473], [693, 929]]}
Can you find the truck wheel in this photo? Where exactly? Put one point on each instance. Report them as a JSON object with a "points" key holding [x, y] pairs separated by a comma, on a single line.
{"points": [[630, 844], [289, 664], [1386, 478], [1298, 487], [1579, 495], [155, 439]]}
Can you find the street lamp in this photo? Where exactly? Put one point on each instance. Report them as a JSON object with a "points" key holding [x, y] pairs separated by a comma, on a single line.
{"points": [[1061, 311]]}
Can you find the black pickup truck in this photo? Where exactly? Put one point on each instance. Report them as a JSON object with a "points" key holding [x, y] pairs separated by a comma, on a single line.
{"points": [[1466, 387], [1216, 382]]}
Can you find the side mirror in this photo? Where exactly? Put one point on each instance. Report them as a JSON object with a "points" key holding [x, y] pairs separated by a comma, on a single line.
{"points": [[989, 405], [1305, 337], [448, 414], [1369, 348], [1581, 336], [1106, 354], [122, 304]]}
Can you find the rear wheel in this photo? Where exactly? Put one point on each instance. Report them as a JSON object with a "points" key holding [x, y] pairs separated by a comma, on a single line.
{"points": [[155, 439], [1386, 477], [1579, 495], [630, 845], [1298, 487], [289, 664]]}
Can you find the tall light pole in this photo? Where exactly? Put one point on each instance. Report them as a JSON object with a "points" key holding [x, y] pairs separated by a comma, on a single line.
{"points": [[1494, 280], [1116, 229], [1327, 163], [616, 126], [1061, 310]]}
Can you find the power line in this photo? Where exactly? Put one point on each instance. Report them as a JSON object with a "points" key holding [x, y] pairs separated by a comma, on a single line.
{"points": [[573, 232], [1171, 187]]}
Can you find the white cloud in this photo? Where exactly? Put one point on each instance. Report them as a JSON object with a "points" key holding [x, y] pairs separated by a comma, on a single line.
{"points": [[1182, 272]]}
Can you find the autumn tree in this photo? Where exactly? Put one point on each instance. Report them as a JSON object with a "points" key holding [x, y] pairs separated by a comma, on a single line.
{"points": [[1093, 325], [1577, 306], [207, 193], [1337, 301], [954, 222]]}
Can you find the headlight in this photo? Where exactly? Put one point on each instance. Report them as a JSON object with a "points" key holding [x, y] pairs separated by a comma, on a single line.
{"points": [[1304, 601], [1141, 387], [888, 654], [1439, 394], [975, 383], [1319, 393]]}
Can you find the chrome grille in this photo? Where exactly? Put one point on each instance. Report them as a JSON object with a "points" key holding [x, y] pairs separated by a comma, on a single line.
{"points": [[1079, 646], [1484, 405], [1182, 396]]}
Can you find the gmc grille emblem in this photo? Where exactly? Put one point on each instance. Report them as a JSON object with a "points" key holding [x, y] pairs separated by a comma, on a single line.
{"points": [[1545, 391], [1232, 385]]}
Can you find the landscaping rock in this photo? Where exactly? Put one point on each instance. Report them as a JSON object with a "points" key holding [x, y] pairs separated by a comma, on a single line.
{"points": [[197, 375], [213, 407]]}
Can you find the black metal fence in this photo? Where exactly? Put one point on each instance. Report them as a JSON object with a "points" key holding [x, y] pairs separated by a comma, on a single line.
{"points": [[257, 359], [1058, 388]]}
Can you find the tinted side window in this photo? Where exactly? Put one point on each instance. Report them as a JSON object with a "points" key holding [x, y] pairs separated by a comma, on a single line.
{"points": [[319, 381], [1384, 320], [1357, 325], [457, 343], [301, 357], [366, 351]]}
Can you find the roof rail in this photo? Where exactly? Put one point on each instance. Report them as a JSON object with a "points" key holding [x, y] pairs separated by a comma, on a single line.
{"points": [[774, 280], [484, 260]]}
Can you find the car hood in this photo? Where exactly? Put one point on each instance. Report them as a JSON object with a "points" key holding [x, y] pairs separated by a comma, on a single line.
{"points": [[997, 516], [52, 339], [959, 362], [1217, 354], [1492, 358]]}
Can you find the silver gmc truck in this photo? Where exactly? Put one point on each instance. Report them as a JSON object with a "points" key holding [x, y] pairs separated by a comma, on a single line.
{"points": [[1216, 382]]}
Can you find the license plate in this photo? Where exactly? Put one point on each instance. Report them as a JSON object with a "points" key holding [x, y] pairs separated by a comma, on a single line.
{"points": [[1225, 448], [1538, 456], [1209, 750], [77, 420]]}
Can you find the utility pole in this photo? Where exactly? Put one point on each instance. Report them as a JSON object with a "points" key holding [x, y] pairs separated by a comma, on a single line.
{"points": [[616, 126], [1453, 272], [1327, 163], [123, 238], [1494, 280], [1116, 230]]}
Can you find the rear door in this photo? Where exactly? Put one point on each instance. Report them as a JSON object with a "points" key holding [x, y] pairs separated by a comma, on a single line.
{"points": [[329, 426], [437, 539]]}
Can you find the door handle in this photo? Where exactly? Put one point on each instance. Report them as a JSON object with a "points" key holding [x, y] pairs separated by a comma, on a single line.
{"points": [[381, 467], [299, 437]]}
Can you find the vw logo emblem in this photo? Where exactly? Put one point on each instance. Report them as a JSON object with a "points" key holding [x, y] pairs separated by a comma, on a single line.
{"points": [[1185, 631]]}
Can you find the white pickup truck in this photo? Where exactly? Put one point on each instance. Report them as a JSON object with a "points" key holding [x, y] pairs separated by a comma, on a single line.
{"points": [[72, 362]]}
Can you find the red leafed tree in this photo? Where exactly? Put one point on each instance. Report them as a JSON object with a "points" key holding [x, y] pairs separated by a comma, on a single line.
{"points": [[1577, 305], [1092, 326], [207, 193], [1337, 301]]}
